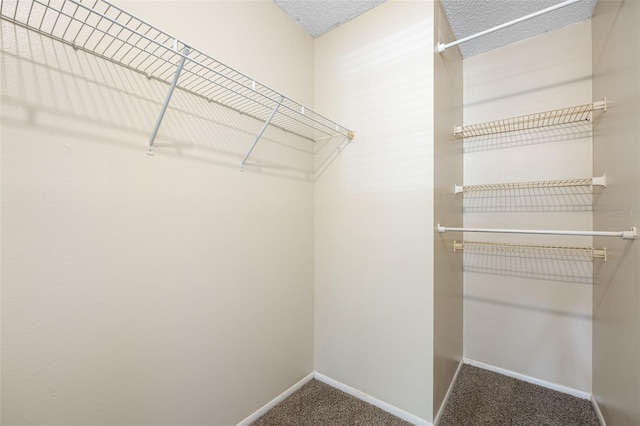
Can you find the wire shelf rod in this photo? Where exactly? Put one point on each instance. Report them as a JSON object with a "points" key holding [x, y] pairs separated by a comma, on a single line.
{"points": [[575, 114], [630, 234], [105, 30], [516, 249], [560, 183]]}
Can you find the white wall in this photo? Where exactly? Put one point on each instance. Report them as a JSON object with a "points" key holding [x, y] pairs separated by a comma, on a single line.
{"points": [[374, 206], [448, 165], [530, 316], [171, 289], [616, 150]]}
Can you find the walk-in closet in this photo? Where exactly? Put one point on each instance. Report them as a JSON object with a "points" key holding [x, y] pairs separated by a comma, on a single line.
{"points": [[319, 212]]}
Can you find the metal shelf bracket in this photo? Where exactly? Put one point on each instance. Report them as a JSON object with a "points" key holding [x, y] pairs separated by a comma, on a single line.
{"points": [[176, 76], [259, 135]]}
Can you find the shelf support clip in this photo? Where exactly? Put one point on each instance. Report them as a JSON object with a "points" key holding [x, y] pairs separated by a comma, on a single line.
{"points": [[259, 135], [174, 83]]}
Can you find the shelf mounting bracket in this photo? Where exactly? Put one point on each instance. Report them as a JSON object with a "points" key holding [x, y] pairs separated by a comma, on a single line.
{"points": [[259, 135], [174, 83]]}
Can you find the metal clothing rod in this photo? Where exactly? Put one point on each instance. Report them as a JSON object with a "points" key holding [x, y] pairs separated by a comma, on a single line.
{"points": [[183, 58], [442, 47], [264, 127], [631, 234]]}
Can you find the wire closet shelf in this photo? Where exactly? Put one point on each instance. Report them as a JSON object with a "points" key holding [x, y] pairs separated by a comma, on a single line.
{"points": [[558, 252], [574, 114], [559, 183], [109, 32]]}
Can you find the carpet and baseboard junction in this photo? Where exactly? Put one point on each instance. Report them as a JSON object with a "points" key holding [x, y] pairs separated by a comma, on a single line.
{"points": [[478, 397]]}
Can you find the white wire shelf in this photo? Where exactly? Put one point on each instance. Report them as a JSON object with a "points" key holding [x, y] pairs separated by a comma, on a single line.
{"points": [[560, 183], [559, 252], [574, 114], [109, 32]]}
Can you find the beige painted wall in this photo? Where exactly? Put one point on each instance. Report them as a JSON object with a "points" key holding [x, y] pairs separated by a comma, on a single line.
{"points": [[171, 289], [616, 150], [448, 165], [530, 316], [374, 206]]}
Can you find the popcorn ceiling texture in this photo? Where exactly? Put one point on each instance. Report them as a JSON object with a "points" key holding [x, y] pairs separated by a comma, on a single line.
{"points": [[468, 17], [465, 16], [319, 16]]}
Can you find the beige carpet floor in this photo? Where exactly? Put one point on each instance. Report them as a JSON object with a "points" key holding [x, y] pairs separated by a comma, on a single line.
{"points": [[318, 404], [482, 397], [479, 398]]}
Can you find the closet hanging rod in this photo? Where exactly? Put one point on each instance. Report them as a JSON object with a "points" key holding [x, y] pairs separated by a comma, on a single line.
{"points": [[442, 46], [630, 234], [561, 183], [101, 28]]}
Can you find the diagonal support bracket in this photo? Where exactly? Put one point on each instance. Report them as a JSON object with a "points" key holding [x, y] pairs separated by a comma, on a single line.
{"points": [[183, 58], [264, 127]]}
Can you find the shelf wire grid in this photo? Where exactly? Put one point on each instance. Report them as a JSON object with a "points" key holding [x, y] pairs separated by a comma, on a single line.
{"points": [[109, 32], [560, 183], [574, 114], [545, 251]]}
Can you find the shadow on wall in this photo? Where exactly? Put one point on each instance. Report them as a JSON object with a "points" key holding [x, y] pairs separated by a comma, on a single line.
{"points": [[327, 151], [549, 199], [50, 87], [528, 307], [535, 136], [572, 268]]}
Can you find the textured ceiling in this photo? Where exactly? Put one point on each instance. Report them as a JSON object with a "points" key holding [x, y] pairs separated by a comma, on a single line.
{"points": [[319, 16], [468, 17], [465, 16]]}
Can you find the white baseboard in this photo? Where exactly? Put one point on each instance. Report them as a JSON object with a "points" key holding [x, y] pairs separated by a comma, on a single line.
{"points": [[448, 394], [278, 399], [404, 415], [596, 407], [554, 386]]}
